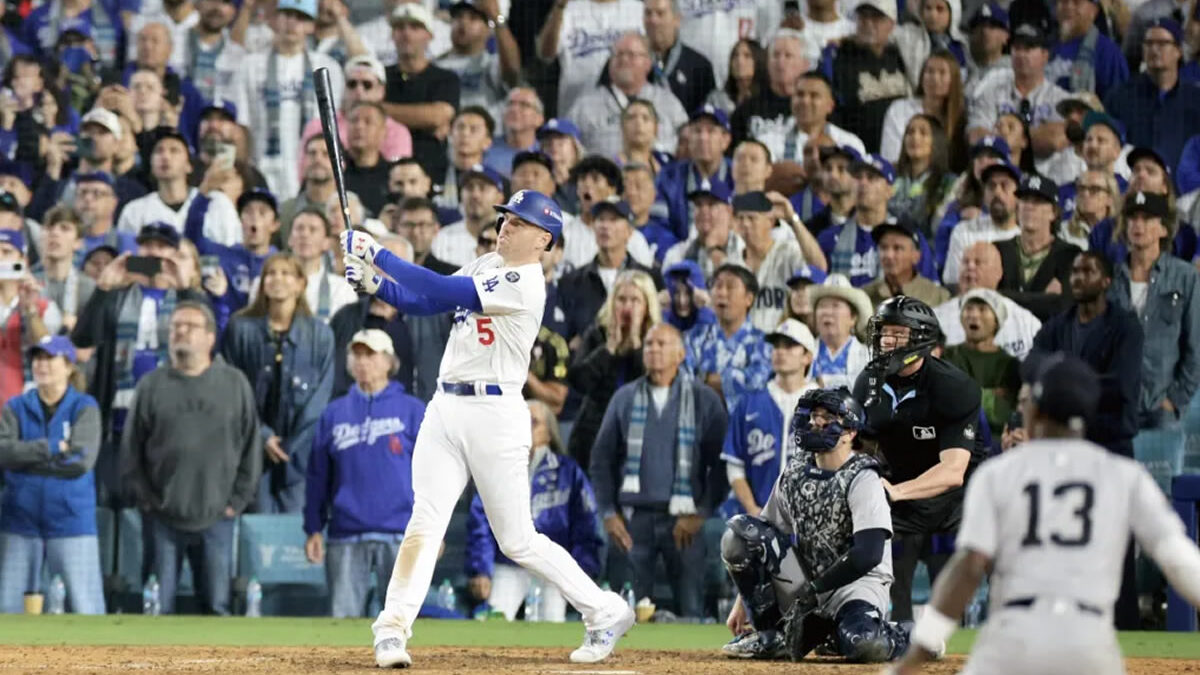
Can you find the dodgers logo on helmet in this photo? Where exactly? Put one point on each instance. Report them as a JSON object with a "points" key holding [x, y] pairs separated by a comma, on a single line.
{"points": [[537, 209]]}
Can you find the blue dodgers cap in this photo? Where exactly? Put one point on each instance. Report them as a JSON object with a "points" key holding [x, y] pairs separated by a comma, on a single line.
{"points": [[1005, 166], [711, 112], [14, 238], [613, 205], [159, 231], [536, 209], [96, 177], [485, 173], [851, 154], [1170, 25], [718, 190], [221, 105], [991, 144], [805, 276], [20, 170], [54, 345], [558, 125], [305, 7], [1063, 387], [258, 195], [689, 270], [1092, 118], [879, 165], [990, 13]]}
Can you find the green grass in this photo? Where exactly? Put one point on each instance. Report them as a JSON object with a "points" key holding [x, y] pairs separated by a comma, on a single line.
{"points": [[142, 630]]}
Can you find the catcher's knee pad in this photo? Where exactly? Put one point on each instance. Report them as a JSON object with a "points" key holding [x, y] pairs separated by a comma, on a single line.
{"points": [[863, 636]]}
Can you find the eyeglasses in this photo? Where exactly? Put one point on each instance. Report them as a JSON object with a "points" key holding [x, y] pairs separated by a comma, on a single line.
{"points": [[365, 85]]}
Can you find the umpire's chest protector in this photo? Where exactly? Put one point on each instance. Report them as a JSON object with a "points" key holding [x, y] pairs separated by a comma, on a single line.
{"points": [[819, 503]]}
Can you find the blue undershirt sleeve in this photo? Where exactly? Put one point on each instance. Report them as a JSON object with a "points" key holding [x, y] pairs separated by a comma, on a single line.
{"points": [[419, 291]]}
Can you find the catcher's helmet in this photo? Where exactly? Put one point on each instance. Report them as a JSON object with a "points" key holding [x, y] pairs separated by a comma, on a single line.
{"points": [[537, 209], [923, 326], [840, 403]]}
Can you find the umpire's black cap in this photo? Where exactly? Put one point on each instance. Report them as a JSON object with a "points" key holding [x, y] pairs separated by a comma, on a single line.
{"points": [[1063, 387]]}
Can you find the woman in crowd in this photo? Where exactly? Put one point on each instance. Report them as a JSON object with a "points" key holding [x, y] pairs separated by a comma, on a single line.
{"points": [[747, 76], [1015, 132], [611, 354], [639, 130], [939, 95], [287, 354], [840, 311], [922, 175], [563, 509], [1096, 199], [49, 438]]}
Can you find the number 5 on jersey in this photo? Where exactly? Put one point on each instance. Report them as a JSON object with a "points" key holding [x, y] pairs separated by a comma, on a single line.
{"points": [[483, 326]]}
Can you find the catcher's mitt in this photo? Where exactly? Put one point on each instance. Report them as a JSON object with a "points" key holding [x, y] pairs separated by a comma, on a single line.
{"points": [[804, 628]]}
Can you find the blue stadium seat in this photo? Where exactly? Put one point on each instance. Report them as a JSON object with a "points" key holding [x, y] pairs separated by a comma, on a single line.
{"points": [[1185, 496], [126, 576], [270, 547]]}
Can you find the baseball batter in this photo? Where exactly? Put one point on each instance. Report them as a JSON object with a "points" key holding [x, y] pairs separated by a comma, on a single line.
{"points": [[477, 424], [1051, 519]]}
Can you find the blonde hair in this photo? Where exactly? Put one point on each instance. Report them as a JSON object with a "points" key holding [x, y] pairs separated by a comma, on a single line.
{"points": [[258, 306], [1076, 227], [551, 422], [193, 255], [645, 285]]}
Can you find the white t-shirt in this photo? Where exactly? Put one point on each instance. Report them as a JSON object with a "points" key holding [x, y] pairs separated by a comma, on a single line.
{"points": [[494, 346], [817, 35], [597, 113], [966, 235], [894, 123], [589, 30], [1015, 336], [787, 143], [221, 222], [249, 95], [714, 27], [376, 34], [1138, 292], [179, 43], [608, 275]]}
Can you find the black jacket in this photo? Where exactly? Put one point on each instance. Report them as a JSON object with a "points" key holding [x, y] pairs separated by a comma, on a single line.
{"points": [[1114, 350], [1032, 295], [582, 294], [352, 318], [596, 374]]}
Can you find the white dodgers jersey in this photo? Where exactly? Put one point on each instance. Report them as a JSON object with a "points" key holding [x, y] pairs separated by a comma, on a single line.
{"points": [[1055, 518], [493, 347]]}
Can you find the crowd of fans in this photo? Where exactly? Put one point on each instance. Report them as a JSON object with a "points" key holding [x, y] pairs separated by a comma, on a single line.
{"points": [[742, 184]]}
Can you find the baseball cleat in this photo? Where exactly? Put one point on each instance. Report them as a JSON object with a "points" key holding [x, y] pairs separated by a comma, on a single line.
{"points": [[756, 645], [390, 653], [599, 643]]}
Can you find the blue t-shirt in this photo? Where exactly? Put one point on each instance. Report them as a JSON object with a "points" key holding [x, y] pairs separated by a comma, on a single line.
{"points": [[1109, 64], [124, 242]]}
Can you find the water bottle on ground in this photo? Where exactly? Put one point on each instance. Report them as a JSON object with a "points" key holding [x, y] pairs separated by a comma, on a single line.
{"points": [[254, 598], [605, 586], [152, 597], [628, 594], [56, 599], [445, 596], [533, 602]]}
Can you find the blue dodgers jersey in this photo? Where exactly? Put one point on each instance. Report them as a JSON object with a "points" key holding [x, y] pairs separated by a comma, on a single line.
{"points": [[755, 440]]}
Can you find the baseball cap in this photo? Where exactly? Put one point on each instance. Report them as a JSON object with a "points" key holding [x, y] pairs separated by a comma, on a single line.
{"points": [[14, 238], [829, 152], [305, 7], [258, 195], [1039, 187], [8, 202], [557, 125], [718, 190], [374, 339], [711, 112], [467, 4], [1005, 166], [992, 14], [1170, 25], [102, 248], [20, 170], [1029, 35], [371, 63], [159, 231], [1142, 152], [613, 205], [902, 226], [995, 145], [991, 298], [884, 7], [1063, 387], [97, 177], [412, 12], [752, 202], [105, 118], [221, 105], [879, 165], [533, 156], [54, 345], [807, 275], [163, 132], [1092, 118], [791, 329], [1148, 203], [1080, 100], [486, 173], [689, 270]]}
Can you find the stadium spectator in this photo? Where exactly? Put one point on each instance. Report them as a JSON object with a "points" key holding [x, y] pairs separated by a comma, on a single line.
{"points": [[106, 22], [662, 467], [610, 353], [771, 107], [218, 134], [420, 95], [982, 268], [563, 507], [520, 119], [772, 259], [1036, 264], [580, 34], [996, 372], [747, 75], [175, 18], [899, 248], [379, 36], [835, 181], [286, 353], [1096, 198], [686, 298], [758, 442], [715, 30], [811, 105], [1148, 173], [939, 95], [923, 178], [62, 282], [241, 264], [417, 222], [708, 140], [687, 72], [480, 188], [840, 311], [550, 357], [485, 76], [191, 457], [825, 23], [731, 355], [1101, 150], [988, 39], [648, 216], [362, 438], [639, 136], [212, 59], [334, 35], [715, 242], [559, 139], [596, 180], [1000, 183], [49, 439], [316, 186], [938, 30], [800, 306], [1084, 59], [471, 133], [965, 200], [310, 241], [367, 167]]}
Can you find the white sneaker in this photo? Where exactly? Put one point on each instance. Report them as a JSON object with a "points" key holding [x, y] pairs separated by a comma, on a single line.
{"points": [[599, 643], [390, 653]]}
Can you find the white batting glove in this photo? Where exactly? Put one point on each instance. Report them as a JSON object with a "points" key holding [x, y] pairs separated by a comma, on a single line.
{"points": [[360, 245], [361, 275]]}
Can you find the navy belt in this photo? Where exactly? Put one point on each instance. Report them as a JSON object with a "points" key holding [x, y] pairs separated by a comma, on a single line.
{"points": [[1028, 602], [469, 389]]}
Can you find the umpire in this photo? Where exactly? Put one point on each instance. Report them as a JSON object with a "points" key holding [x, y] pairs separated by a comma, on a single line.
{"points": [[923, 415]]}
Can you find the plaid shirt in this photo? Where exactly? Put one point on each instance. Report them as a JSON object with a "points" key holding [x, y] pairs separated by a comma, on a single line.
{"points": [[743, 361]]}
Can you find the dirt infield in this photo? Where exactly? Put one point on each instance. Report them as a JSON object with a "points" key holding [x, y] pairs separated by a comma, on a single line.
{"points": [[437, 660]]}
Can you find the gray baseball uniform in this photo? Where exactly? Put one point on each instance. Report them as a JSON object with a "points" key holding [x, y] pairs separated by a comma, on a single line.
{"points": [[1055, 518]]}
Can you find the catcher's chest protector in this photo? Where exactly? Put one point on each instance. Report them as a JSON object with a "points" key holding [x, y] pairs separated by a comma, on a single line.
{"points": [[820, 508]]}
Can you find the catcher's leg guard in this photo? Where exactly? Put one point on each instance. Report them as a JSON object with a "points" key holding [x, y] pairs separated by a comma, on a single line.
{"points": [[752, 550], [863, 636]]}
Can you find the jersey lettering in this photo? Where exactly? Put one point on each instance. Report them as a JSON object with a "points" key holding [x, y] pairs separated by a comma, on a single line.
{"points": [[486, 335], [1085, 500], [491, 284]]}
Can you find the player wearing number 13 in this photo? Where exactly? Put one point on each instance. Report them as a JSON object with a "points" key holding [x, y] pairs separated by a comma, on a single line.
{"points": [[477, 424], [1050, 520]]}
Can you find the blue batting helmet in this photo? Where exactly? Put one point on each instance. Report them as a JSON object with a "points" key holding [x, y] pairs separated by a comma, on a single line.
{"points": [[537, 209]]}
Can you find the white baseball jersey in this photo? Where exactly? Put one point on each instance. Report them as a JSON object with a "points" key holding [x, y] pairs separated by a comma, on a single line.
{"points": [[221, 221], [1015, 336], [493, 346], [589, 30], [713, 27], [968, 233], [1055, 518], [781, 262]]}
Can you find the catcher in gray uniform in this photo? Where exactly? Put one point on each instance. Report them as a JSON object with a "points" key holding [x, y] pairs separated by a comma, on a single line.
{"points": [[834, 580]]}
